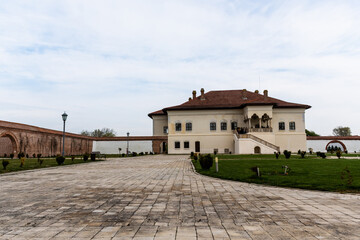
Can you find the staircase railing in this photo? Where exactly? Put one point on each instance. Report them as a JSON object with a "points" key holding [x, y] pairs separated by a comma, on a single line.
{"points": [[257, 139]]}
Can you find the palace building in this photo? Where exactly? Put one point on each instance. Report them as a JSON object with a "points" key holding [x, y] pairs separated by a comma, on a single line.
{"points": [[231, 121]]}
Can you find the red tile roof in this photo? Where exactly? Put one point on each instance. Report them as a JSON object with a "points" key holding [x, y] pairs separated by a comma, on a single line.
{"points": [[230, 99]]}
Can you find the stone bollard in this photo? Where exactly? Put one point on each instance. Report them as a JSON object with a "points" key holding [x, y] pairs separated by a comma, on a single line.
{"points": [[217, 164]]}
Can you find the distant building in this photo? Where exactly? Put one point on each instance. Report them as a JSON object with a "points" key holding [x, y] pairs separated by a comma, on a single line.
{"points": [[231, 121]]}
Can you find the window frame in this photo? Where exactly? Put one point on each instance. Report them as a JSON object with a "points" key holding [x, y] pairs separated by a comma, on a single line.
{"points": [[176, 127], [234, 125], [175, 144], [187, 128], [223, 123], [188, 144], [212, 126], [292, 128], [281, 126], [165, 130]]}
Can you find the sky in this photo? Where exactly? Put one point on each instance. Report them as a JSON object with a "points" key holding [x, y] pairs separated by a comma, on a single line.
{"points": [[109, 63]]}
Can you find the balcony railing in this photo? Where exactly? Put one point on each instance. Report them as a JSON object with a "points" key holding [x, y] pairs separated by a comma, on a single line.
{"points": [[261, 129]]}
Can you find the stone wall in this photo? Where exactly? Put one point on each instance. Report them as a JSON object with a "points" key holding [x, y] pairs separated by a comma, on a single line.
{"points": [[30, 140]]}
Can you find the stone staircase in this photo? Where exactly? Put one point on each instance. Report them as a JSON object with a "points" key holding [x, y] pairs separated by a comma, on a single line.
{"points": [[259, 140]]}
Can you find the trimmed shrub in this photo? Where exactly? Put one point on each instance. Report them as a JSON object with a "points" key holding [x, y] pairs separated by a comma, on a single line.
{"points": [[5, 163], [86, 156], [287, 154], [21, 155], [303, 153], [34, 155], [60, 160], [134, 154], [5, 155], [123, 155], [277, 154], [322, 155], [141, 153], [11, 155], [191, 154], [93, 157], [338, 153], [206, 161]]}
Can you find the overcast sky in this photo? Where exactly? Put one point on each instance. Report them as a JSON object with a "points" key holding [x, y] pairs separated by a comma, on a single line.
{"points": [[110, 63]]}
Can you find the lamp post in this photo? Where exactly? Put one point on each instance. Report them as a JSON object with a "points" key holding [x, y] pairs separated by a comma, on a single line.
{"points": [[127, 145], [64, 117]]}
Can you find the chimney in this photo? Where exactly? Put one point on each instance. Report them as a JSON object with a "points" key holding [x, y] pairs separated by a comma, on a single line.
{"points": [[257, 91], [244, 94], [202, 94], [265, 94], [194, 94]]}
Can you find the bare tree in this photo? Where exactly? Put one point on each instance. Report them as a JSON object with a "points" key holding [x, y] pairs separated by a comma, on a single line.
{"points": [[105, 132], [342, 131]]}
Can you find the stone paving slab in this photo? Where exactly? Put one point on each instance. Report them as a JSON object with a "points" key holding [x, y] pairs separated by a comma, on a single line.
{"points": [[160, 197]]}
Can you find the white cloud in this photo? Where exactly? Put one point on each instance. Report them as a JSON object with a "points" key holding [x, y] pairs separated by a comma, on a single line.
{"points": [[110, 63]]}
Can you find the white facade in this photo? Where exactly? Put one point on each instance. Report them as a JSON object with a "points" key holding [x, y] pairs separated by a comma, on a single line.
{"points": [[112, 147], [232, 121], [320, 145]]}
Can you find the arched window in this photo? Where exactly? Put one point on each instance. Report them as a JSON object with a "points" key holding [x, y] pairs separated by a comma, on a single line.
{"points": [[281, 125], [223, 126], [188, 126], [178, 127], [292, 125], [213, 126], [257, 149]]}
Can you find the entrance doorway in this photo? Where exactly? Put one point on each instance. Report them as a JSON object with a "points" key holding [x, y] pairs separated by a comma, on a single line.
{"points": [[257, 150], [164, 148], [197, 146]]}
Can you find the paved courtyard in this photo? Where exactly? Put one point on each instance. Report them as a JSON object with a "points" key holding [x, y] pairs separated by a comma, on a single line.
{"points": [[160, 197]]}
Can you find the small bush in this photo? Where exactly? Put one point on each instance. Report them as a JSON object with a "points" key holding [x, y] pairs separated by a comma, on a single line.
{"points": [[12, 155], [338, 154], [5, 155], [27, 155], [22, 161], [134, 154], [322, 155], [5, 163], [277, 154], [192, 154], [123, 155], [206, 161], [141, 153], [60, 160], [302, 154], [86, 156], [346, 176], [34, 155], [40, 161], [287, 154], [299, 151], [21, 155], [146, 153], [93, 157], [151, 153]]}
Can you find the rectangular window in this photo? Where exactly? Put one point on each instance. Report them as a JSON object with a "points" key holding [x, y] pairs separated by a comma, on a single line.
{"points": [[223, 126], [213, 126], [188, 126], [186, 144], [281, 126], [177, 144], [178, 127], [233, 125], [226, 151], [165, 130], [292, 125]]}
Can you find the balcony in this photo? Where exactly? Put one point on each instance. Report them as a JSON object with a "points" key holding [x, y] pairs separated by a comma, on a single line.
{"points": [[269, 129]]}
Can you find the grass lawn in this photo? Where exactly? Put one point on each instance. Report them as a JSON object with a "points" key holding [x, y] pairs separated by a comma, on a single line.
{"points": [[309, 173], [32, 163]]}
